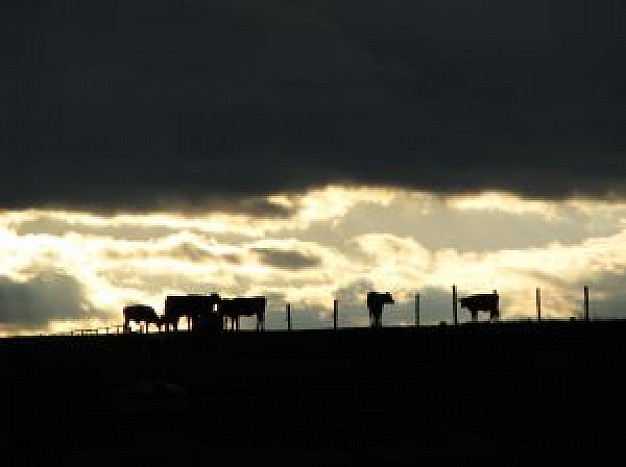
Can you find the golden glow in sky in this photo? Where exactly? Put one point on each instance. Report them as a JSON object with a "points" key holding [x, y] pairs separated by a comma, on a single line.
{"points": [[62, 270]]}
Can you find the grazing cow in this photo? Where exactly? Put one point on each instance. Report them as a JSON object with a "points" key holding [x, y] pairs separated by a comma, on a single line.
{"points": [[487, 302], [375, 303], [234, 308], [200, 311], [139, 313]]}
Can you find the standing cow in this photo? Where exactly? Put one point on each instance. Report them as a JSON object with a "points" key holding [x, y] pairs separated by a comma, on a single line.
{"points": [[233, 308], [488, 302], [139, 313], [375, 303], [200, 311]]}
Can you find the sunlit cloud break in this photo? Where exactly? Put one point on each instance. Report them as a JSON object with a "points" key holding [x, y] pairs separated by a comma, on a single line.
{"points": [[504, 202], [62, 269]]}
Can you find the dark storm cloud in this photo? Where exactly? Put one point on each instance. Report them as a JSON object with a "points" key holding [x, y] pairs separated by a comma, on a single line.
{"points": [[137, 104], [287, 259], [49, 296]]}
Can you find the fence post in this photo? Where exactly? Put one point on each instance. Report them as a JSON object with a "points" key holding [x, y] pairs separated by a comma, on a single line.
{"points": [[455, 315], [586, 302], [335, 312], [417, 310], [288, 317], [538, 303]]}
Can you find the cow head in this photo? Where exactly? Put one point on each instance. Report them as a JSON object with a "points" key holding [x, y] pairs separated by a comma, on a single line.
{"points": [[380, 298], [387, 298]]}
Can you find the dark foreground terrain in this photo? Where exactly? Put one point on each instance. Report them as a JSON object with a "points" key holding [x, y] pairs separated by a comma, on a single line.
{"points": [[511, 393]]}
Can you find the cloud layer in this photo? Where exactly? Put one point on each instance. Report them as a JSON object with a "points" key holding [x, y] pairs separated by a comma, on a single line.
{"points": [[141, 104], [63, 270], [39, 303]]}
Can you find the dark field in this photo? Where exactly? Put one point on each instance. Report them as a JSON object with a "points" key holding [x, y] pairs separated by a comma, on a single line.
{"points": [[509, 393]]}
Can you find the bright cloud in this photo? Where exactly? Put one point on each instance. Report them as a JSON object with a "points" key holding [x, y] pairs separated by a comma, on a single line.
{"points": [[504, 202], [337, 242]]}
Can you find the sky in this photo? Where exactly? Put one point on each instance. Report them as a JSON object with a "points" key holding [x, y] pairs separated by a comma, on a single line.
{"points": [[310, 151]]}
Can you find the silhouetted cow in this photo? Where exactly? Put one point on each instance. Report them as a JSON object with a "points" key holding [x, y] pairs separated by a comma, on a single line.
{"points": [[481, 302], [139, 313], [200, 311], [375, 303], [233, 308]]}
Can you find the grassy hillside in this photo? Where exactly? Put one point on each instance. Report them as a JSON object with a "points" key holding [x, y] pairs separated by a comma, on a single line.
{"points": [[511, 392]]}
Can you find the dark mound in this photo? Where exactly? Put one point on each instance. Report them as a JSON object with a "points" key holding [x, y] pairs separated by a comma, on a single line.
{"points": [[512, 393]]}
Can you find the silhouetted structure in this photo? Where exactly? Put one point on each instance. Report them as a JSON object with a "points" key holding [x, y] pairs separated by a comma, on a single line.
{"points": [[233, 308], [482, 302], [375, 303], [139, 313]]}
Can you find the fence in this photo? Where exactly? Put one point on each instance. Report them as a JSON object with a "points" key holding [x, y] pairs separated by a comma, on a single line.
{"points": [[418, 311]]}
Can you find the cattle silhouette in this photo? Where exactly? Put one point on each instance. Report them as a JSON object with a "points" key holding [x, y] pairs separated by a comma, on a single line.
{"points": [[139, 313], [375, 303], [488, 302], [200, 311], [203, 312], [232, 309]]}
